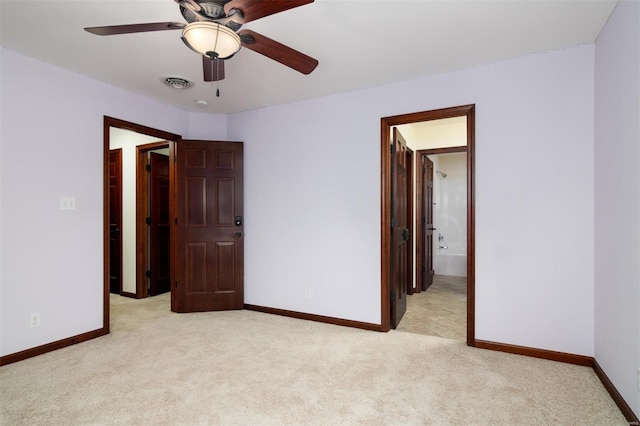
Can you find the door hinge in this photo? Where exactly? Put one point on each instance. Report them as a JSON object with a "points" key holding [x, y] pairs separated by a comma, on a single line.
{"points": [[147, 273], [424, 219], [424, 170], [393, 221], [147, 167], [147, 220], [392, 295], [424, 270], [175, 284], [176, 220], [393, 149]]}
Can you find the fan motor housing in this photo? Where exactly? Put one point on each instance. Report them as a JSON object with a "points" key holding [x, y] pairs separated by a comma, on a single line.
{"points": [[212, 8]]}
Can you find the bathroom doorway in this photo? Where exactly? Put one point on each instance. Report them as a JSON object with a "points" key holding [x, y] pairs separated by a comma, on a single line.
{"points": [[464, 114], [439, 301]]}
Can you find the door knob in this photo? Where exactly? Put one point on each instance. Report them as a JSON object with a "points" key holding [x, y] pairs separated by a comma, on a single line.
{"points": [[238, 234]]}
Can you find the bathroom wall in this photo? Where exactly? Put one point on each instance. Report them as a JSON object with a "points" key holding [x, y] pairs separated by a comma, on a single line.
{"points": [[450, 214], [444, 133]]}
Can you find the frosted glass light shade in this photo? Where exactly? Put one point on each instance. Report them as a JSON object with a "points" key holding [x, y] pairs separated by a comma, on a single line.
{"points": [[211, 39]]}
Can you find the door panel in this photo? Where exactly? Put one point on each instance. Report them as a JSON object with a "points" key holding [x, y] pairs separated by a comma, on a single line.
{"points": [[115, 221], [196, 278], [400, 236], [159, 230], [428, 229], [409, 213], [210, 249]]}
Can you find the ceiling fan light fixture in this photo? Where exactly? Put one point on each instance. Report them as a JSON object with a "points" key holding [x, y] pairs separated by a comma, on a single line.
{"points": [[211, 39]]}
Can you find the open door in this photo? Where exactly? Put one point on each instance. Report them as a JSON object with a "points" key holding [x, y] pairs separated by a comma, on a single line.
{"points": [[401, 248], [159, 226], [209, 256], [427, 222]]}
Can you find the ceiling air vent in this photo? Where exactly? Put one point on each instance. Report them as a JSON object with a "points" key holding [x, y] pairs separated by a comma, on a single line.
{"points": [[177, 82]]}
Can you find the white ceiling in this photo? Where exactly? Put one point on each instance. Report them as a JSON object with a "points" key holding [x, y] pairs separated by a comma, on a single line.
{"points": [[358, 43]]}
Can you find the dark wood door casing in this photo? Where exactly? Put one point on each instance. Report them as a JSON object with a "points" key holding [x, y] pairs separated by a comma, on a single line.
{"points": [[426, 235], [386, 123], [210, 247], [115, 221]]}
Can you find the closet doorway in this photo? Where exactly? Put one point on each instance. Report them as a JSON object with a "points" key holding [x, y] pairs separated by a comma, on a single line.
{"points": [[153, 260]]}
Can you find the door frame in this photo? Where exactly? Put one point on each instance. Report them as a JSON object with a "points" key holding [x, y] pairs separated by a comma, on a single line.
{"points": [[420, 211], [109, 122], [207, 226], [142, 201], [117, 151], [386, 123]]}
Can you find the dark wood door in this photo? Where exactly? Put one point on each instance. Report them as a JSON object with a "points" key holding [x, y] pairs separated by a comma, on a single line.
{"points": [[427, 222], [410, 226], [210, 247], [115, 221], [159, 228], [400, 235]]}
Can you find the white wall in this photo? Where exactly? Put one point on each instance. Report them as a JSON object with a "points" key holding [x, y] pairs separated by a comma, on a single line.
{"points": [[617, 200], [51, 143], [128, 140], [312, 196], [204, 126], [312, 191], [450, 215]]}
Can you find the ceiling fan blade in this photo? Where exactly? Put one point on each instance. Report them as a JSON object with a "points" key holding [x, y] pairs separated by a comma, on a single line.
{"points": [[256, 9], [135, 28], [278, 52], [213, 69]]}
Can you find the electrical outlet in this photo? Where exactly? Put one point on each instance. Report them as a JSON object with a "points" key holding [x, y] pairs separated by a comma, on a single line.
{"points": [[67, 203], [34, 319]]}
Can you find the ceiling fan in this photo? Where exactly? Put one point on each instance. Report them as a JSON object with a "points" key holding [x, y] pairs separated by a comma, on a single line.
{"points": [[212, 31]]}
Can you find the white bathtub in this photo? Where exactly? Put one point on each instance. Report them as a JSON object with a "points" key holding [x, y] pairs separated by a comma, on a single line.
{"points": [[449, 263]]}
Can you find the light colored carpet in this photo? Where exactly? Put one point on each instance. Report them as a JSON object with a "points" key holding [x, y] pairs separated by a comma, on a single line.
{"points": [[242, 367], [440, 311]]}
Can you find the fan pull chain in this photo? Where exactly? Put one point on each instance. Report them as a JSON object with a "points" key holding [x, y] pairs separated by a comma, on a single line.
{"points": [[217, 88]]}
